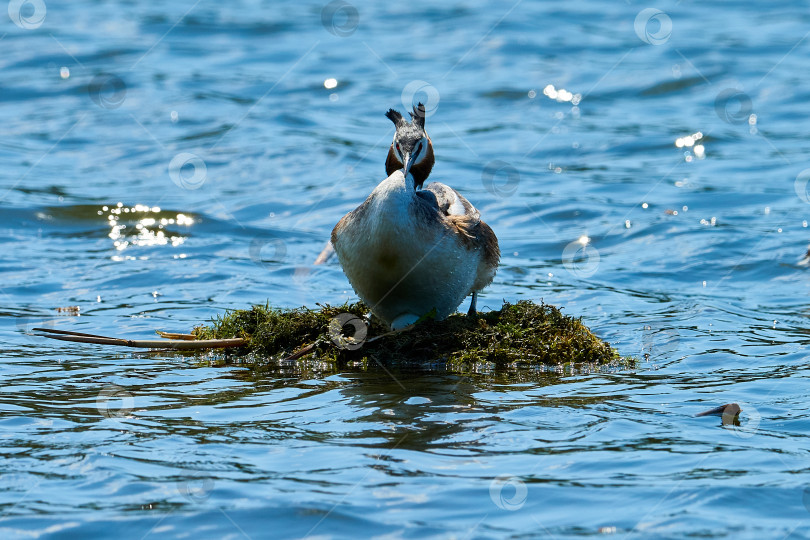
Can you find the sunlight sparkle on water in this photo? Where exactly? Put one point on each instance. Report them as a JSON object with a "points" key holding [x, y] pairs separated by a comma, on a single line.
{"points": [[561, 95], [710, 222], [690, 141], [147, 230]]}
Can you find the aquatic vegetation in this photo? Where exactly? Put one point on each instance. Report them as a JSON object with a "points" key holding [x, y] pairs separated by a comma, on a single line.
{"points": [[521, 333]]}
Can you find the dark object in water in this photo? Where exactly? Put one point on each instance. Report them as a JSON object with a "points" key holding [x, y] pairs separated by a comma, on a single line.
{"points": [[730, 413]]}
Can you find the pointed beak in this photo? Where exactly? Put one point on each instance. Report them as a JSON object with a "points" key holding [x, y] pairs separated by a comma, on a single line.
{"points": [[406, 166]]}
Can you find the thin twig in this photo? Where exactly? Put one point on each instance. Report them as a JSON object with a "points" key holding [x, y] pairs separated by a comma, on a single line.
{"points": [[301, 352], [173, 335], [174, 344]]}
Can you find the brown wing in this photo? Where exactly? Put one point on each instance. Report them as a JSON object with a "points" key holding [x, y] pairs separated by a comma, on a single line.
{"points": [[460, 215], [455, 211], [453, 203]]}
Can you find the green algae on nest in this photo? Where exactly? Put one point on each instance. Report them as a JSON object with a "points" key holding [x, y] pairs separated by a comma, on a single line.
{"points": [[524, 333]]}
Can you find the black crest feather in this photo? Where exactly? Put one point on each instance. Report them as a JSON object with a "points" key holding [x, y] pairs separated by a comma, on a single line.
{"points": [[418, 115], [394, 116]]}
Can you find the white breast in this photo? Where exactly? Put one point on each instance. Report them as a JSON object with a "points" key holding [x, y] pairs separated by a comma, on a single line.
{"points": [[401, 263]]}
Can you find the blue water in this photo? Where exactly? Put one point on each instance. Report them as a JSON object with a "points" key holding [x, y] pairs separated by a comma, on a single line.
{"points": [[163, 162]]}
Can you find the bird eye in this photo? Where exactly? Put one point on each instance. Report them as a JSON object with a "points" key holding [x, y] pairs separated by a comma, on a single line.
{"points": [[397, 146]]}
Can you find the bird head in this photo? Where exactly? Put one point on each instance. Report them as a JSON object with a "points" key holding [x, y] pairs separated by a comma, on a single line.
{"points": [[410, 139]]}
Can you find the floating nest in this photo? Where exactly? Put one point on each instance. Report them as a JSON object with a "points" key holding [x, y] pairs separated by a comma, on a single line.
{"points": [[524, 333]]}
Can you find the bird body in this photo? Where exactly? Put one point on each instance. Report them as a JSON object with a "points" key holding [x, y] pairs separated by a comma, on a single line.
{"points": [[410, 252]]}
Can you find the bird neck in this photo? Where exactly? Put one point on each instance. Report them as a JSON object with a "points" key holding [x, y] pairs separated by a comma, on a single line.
{"points": [[420, 171]]}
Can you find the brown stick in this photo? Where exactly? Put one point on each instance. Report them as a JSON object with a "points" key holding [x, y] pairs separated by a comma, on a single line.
{"points": [[174, 344]]}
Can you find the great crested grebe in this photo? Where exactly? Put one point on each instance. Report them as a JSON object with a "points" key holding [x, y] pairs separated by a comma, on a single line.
{"points": [[407, 251]]}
